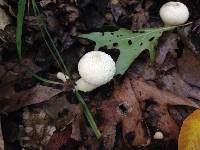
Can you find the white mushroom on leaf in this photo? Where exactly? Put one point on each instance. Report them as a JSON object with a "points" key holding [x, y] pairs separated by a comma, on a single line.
{"points": [[174, 13], [96, 68]]}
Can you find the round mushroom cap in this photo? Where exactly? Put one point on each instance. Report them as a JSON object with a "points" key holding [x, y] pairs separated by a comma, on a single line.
{"points": [[96, 67], [174, 13]]}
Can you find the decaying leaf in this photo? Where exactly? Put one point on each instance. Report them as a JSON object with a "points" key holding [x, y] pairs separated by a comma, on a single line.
{"points": [[130, 44], [36, 129], [189, 67], [122, 107], [56, 121], [10, 100], [167, 44], [4, 19], [140, 18], [163, 99], [190, 132], [43, 3], [13, 71], [127, 106], [174, 83], [12, 96], [62, 139], [1, 138]]}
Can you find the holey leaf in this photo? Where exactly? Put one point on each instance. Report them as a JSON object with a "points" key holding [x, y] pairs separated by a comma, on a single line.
{"points": [[189, 137], [130, 43]]}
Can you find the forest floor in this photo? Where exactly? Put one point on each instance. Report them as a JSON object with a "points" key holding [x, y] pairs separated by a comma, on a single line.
{"points": [[128, 111]]}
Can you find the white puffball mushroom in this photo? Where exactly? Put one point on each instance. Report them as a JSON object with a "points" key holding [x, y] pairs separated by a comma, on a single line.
{"points": [[62, 76], [95, 68], [158, 135], [174, 13], [4, 19]]}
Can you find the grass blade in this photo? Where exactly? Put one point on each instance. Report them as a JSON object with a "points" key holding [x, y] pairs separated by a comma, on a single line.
{"points": [[45, 80], [88, 115], [20, 20], [57, 52]]}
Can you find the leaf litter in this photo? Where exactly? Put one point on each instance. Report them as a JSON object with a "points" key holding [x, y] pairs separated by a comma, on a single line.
{"points": [[128, 111]]}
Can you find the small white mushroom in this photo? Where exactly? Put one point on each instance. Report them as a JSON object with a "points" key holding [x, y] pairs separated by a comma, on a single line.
{"points": [[174, 13], [158, 135], [4, 19], [62, 76], [96, 68]]}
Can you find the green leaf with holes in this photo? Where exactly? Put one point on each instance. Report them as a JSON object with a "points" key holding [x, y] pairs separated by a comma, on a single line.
{"points": [[130, 43]]}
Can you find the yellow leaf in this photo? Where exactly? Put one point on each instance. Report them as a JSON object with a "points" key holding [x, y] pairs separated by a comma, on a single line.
{"points": [[189, 137]]}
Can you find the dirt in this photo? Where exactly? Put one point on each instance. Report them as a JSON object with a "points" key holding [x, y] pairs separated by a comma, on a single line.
{"points": [[128, 110]]}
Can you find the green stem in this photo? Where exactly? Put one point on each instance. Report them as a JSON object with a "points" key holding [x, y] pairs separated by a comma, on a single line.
{"points": [[45, 80], [88, 115]]}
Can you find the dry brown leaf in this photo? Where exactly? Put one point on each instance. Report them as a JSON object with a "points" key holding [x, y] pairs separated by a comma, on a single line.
{"points": [[116, 9], [190, 132], [159, 115], [62, 140], [122, 107], [43, 3], [57, 120], [12, 70], [139, 19], [10, 100], [70, 114], [1, 138], [144, 91], [189, 67], [125, 107], [167, 44], [175, 84]]}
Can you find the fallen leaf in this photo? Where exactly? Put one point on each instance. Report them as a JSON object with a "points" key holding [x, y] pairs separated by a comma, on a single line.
{"points": [[122, 107], [130, 44], [10, 100], [167, 44], [145, 91], [116, 9], [189, 67], [36, 128], [195, 35], [190, 132], [59, 139], [58, 121], [174, 83], [43, 3], [12, 71], [1, 138], [139, 19], [159, 115], [62, 140], [5, 19], [65, 113], [3, 3]]}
